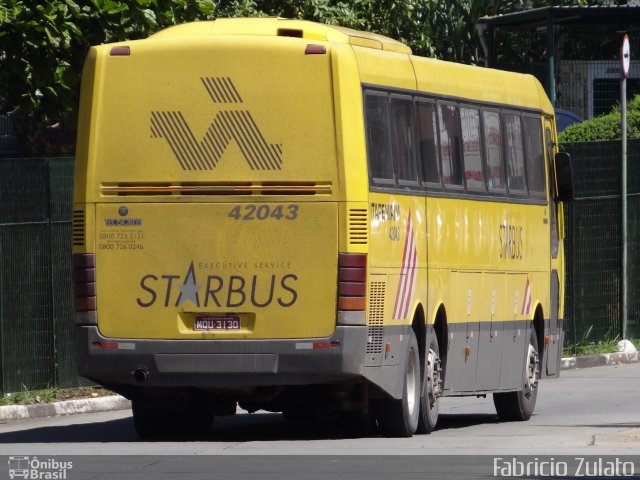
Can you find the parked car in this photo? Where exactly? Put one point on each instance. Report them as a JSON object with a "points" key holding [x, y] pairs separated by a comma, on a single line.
{"points": [[564, 118]]}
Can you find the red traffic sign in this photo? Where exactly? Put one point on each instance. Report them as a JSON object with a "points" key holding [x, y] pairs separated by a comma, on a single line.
{"points": [[625, 56]]}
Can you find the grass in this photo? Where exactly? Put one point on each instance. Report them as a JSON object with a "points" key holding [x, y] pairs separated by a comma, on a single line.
{"points": [[49, 395], [594, 348]]}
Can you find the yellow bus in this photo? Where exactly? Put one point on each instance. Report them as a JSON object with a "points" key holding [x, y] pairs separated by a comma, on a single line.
{"points": [[282, 215]]}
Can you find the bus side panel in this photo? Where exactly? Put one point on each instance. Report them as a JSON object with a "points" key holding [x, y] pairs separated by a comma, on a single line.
{"points": [[483, 272], [491, 331]]}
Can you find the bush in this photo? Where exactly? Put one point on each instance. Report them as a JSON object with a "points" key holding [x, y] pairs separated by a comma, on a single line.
{"points": [[605, 127]]}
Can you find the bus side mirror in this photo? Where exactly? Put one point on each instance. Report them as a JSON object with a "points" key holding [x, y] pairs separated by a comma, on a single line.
{"points": [[564, 177]]}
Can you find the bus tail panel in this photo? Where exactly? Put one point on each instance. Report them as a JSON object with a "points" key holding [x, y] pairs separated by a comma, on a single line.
{"points": [[203, 117], [216, 271]]}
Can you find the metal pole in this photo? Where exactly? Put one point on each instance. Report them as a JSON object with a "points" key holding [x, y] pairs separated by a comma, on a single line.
{"points": [[623, 198], [551, 57]]}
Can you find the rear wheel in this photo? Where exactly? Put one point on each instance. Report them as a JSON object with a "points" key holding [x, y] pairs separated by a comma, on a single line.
{"points": [[152, 423], [519, 406], [399, 418], [430, 398]]}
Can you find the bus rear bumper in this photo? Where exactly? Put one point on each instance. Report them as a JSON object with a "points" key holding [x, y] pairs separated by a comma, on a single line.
{"points": [[221, 363]]}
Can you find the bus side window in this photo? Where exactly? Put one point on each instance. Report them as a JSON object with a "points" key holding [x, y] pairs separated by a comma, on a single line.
{"points": [[534, 157], [402, 139], [493, 148], [514, 154], [472, 149], [450, 144], [427, 142], [378, 143]]}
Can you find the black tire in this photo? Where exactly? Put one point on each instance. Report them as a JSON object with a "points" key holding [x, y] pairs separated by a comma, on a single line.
{"points": [[432, 388], [519, 406], [152, 423], [399, 418]]}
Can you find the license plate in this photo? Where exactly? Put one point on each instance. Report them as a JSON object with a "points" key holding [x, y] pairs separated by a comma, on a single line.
{"points": [[205, 323]]}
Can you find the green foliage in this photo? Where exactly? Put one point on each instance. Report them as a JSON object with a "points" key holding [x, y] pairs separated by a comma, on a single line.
{"points": [[43, 43], [605, 127], [49, 395], [594, 348], [27, 397]]}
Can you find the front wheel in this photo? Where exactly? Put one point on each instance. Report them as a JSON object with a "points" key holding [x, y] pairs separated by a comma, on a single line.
{"points": [[399, 418], [519, 406]]}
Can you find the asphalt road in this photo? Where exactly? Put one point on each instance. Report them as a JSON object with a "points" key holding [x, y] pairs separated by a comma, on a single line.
{"points": [[586, 412]]}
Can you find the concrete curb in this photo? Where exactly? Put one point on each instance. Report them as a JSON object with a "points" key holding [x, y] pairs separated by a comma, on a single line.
{"points": [[600, 360], [67, 407]]}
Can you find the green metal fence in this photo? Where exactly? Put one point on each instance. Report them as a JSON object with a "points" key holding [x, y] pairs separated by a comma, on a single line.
{"points": [[593, 243], [36, 303]]}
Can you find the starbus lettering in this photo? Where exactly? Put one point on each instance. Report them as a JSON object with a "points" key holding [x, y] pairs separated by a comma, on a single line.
{"points": [[223, 291], [511, 241]]}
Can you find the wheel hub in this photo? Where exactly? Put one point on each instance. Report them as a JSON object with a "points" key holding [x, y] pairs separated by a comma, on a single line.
{"points": [[433, 377], [533, 363]]}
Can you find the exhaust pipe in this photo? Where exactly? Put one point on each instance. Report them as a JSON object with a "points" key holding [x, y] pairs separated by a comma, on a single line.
{"points": [[141, 374]]}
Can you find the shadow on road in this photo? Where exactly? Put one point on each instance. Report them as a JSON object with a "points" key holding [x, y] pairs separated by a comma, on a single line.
{"points": [[237, 428]]}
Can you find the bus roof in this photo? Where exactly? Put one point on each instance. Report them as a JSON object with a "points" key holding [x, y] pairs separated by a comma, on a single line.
{"points": [[480, 83], [285, 28]]}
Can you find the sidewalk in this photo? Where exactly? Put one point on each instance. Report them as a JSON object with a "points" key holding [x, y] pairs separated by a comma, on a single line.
{"points": [[116, 402]]}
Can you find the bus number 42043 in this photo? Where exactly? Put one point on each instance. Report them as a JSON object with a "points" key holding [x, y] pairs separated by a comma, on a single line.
{"points": [[264, 212]]}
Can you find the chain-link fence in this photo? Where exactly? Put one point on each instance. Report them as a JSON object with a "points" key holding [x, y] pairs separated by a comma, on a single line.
{"points": [[36, 303], [593, 243]]}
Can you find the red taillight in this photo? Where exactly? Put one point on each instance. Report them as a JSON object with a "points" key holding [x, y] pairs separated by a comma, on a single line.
{"points": [[323, 345], [105, 345], [121, 51], [352, 289], [315, 50], [352, 281], [84, 281]]}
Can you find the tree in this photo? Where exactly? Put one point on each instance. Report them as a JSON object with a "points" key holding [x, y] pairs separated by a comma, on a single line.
{"points": [[43, 43], [43, 48]]}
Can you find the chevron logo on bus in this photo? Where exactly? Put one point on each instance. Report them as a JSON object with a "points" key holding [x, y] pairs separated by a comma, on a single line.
{"points": [[408, 274], [230, 125], [526, 303]]}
